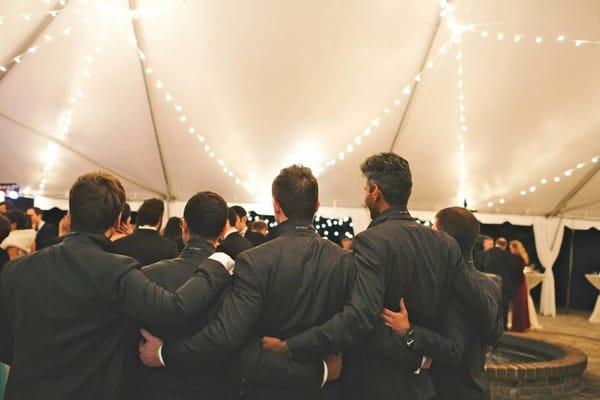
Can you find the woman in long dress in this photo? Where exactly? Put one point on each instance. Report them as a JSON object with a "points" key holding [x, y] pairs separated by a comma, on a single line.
{"points": [[520, 311]]}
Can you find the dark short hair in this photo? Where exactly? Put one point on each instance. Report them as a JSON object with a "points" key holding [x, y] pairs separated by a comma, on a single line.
{"points": [[297, 192], [391, 173], [231, 216], [4, 227], [462, 225], [205, 214], [239, 211], [36, 210], [151, 212], [16, 216], [95, 201], [259, 225], [126, 213], [172, 228]]}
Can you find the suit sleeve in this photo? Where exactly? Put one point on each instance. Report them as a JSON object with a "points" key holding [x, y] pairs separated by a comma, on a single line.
{"points": [[138, 297], [263, 367], [480, 303], [359, 314], [230, 330], [6, 340]]}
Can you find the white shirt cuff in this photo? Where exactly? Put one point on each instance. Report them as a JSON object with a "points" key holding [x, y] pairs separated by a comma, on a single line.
{"points": [[325, 374], [160, 357], [226, 261], [418, 371]]}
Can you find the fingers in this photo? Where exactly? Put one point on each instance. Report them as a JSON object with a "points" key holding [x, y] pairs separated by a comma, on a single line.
{"points": [[403, 306], [146, 335]]}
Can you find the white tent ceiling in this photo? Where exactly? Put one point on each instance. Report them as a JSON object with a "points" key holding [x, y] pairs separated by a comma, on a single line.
{"points": [[267, 83]]}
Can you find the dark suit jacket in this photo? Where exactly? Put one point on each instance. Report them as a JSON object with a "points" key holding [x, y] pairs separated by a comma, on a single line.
{"points": [[499, 262], [46, 236], [186, 383], [234, 244], [147, 246], [67, 318], [396, 257], [280, 289], [256, 238]]}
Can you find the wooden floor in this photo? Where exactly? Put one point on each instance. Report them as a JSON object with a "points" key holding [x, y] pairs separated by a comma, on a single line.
{"points": [[575, 330]]}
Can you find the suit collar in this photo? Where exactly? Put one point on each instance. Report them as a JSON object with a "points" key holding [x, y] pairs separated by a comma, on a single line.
{"points": [[295, 225], [196, 246], [391, 214], [98, 239]]}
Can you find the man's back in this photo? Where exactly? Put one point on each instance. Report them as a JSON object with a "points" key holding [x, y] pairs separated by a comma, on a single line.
{"points": [[419, 266], [234, 244], [69, 341], [193, 383], [499, 263], [147, 246]]}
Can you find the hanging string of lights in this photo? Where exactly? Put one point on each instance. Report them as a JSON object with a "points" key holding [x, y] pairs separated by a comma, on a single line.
{"points": [[183, 119], [517, 38], [66, 117], [464, 195]]}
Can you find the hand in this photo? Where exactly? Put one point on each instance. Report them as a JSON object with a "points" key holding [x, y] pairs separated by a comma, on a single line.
{"points": [[148, 349], [427, 363], [398, 321], [275, 345], [334, 366]]}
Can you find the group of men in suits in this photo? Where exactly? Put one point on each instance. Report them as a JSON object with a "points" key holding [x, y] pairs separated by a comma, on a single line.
{"points": [[279, 322]]}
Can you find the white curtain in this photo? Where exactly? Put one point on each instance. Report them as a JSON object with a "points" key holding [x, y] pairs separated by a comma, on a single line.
{"points": [[548, 234]]}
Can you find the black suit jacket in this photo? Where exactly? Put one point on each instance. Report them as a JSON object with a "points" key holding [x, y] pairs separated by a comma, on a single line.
{"points": [[256, 238], [46, 236], [186, 383], [234, 244], [147, 246], [69, 316], [395, 258], [280, 289], [499, 262]]}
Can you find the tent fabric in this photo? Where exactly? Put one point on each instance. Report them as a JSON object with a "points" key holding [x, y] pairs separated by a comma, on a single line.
{"points": [[548, 240]]}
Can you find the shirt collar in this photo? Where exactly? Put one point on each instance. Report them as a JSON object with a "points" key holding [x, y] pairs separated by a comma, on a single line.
{"points": [[149, 227], [229, 232], [394, 212], [295, 225], [198, 245], [99, 239], [41, 225]]}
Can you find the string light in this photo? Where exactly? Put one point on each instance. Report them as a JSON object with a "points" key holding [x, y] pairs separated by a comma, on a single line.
{"points": [[538, 39], [183, 118]]}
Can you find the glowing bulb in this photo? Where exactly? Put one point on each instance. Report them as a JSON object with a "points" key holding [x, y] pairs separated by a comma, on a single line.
{"points": [[183, 118], [48, 38], [532, 189], [561, 38], [568, 172], [490, 204], [523, 193], [200, 138], [517, 38], [502, 201], [386, 110], [375, 122], [595, 159], [192, 130], [168, 97], [556, 179], [500, 36], [580, 165], [484, 34], [544, 181], [221, 162], [367, 131], [206, 148], [430, 65], [159, 84], [350, 148], [26, 17], [212, 155], [148, 71], [538, 39], [178, 108], [341, 156], [406, 90], [396, 102], [579, 42], [32, 49], [418, 78]]}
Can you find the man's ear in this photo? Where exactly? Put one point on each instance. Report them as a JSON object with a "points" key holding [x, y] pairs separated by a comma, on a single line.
{"points": [[184, 227], [117, 223]]}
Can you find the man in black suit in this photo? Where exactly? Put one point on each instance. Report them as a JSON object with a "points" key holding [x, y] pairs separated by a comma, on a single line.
{"points": [[233, 243], [395, 258], [146, 244], [203, 222], [258, 233], [280, 288], [68, 313], [4, 232], [498, 262], [46, 233]]}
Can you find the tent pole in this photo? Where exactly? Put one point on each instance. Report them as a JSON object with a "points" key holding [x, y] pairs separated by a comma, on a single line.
{"points": [[412, 92], [570, 270], [41, 28], [136, 33], [580, 206], [79, 153], [576, 189]]}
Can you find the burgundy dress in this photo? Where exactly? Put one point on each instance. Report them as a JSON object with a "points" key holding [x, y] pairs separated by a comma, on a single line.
{"points": [[520, 310]]}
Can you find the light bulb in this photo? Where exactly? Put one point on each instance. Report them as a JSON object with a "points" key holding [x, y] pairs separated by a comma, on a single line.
{"points": [[484, 34], [502, 201], [561, 38], [556, 179], [538, 39], [517, 38]]}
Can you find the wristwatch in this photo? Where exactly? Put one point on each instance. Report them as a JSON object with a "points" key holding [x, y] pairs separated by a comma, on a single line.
{"points": [[409, 337]]}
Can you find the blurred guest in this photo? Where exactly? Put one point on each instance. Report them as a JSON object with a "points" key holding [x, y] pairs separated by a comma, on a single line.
{"points": [[21, 239], [4, 231], [232, 243], [46, 232], [347, 244], [172, 231], [3, 207], [146, 245], [484, 243], [202, 224], [520, 310], [258, 233], [125, 228], [500, 263], [241, 223]]}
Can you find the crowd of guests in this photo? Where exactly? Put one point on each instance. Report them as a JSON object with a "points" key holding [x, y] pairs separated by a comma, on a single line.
{"points": [[215, 310], [508, 261]]}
